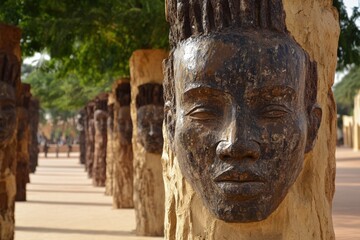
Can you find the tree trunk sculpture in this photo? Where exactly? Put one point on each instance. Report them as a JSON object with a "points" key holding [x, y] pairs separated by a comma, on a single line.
{"points": [[23, 138], [10, 58], [34, 125], [110, 147], [100, 119], [247, 92], [123, 152], [147, 110]]}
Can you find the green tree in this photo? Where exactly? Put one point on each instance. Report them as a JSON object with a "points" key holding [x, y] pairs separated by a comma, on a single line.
{"points": [[349, 41], [90, 43]]}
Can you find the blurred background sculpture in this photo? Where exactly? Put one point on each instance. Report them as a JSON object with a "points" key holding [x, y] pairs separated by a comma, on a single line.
{"points": [[23, 140], [123, 152], [100, 118], [34, 112], [150, 116]]}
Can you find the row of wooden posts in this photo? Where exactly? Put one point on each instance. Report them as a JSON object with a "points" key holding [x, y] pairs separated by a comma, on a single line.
{"points": [[110, 143], [19, 125]]}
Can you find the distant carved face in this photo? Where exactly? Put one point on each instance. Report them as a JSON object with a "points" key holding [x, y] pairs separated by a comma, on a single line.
{"points": [[100, 117], [149, 125], [241, 123], [7, 113], [125, 125]]}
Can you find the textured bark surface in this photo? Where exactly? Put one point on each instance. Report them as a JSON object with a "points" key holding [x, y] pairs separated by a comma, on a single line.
{"points": [[34, 124], [90, 138], [110, 147], [100, 118], [305, 213], [81, 127], [23, 156], [123, 163], [9, 42], [146, 67], [99, 167]]}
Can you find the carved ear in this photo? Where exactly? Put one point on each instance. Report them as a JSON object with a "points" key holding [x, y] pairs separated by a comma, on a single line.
{"points": [[169, 120], [314, 120]]}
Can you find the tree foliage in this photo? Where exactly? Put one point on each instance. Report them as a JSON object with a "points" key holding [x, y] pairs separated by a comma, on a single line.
{"points": [[346, 90], [90, 43], [349, 41]]}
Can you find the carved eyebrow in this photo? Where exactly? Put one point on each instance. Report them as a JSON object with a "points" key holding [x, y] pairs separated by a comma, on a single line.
{"points": [[269, 93], [201, 89]]}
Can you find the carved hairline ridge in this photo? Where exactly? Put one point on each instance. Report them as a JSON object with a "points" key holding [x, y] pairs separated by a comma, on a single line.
{"points": [[189, 18], [150, 93], [9, 69], [123, 93]]}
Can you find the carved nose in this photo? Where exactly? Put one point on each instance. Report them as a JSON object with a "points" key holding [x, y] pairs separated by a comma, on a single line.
{"points": [[238, 150], [151, 132]]}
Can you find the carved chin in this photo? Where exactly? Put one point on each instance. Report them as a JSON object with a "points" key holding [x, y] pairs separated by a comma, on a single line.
{"points": [[152, 147]]}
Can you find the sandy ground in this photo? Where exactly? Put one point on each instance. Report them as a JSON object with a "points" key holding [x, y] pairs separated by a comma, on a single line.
{"points": [[62, 204], [346, 204]]}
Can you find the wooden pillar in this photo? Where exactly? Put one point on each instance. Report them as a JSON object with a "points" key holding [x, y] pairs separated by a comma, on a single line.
{"points": [[123, 152], [305, 211], [23, 138], [110, 147], [100, 122], [81, 128], [10, 56], [90, 135], [146, 91], [34, 109]]}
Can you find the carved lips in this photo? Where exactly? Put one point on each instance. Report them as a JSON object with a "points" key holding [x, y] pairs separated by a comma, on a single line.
{"points": [[242, 185]]}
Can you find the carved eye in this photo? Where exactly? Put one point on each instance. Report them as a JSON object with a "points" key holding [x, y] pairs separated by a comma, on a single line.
{"points": [[274, 111], [202, 113], [8, 107]]}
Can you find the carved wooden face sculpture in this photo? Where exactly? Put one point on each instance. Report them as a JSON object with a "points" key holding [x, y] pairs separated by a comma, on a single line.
{"points": [[125, 125], [242, 123], [100, 117], [150, 116], [7, 113], [149, 124], [9, 81]]}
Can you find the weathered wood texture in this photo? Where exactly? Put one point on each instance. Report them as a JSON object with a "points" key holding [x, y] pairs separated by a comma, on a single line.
{"points": [[90, 135], [100, 118], [23, 140], [9, 42], [81, 128], [123, 162], [34, 125], [110, 147], [146, 67], [305, 213]]}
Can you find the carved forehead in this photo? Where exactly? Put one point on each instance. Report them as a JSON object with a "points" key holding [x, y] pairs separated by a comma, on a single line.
{"points": [[257, 58]]}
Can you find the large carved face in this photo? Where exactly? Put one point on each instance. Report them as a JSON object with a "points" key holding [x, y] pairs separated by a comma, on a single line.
{"points": [[100, 117], [149, 124], [125, 125], [7, 113], [241, 122]]}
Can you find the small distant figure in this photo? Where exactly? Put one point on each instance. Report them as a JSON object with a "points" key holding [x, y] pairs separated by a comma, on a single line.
{"points": [[46, 147], [57, 150], [69, 144]]}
